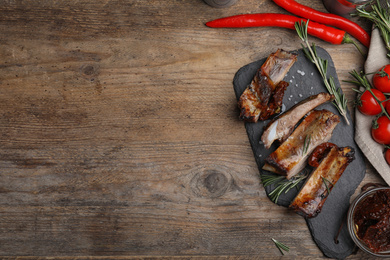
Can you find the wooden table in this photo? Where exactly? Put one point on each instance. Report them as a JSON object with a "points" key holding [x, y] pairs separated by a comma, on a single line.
{"points": [[120, 133]]}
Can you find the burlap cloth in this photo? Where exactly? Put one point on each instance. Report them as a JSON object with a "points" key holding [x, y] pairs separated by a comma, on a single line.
{"points": [[373, 151]]}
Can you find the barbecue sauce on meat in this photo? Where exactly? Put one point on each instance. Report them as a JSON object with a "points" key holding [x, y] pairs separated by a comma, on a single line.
{"points": [[264, 96]]}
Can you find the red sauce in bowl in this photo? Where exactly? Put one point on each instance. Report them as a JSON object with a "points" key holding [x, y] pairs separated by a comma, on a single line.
{"points": [[372, 221]]}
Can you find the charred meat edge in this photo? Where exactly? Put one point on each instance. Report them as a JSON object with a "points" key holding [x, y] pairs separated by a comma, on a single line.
{"points": [[255, 100], [281, 127], [275, 103], [313, 194], [290, 157], [278, 64]]}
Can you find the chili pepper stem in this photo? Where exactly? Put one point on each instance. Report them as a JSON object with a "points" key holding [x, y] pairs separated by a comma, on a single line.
{"points": [[342, 23], [348, 39]]}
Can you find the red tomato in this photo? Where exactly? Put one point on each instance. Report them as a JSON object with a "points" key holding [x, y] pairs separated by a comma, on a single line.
{"points": [[387, 156], [381, 131], [381, 81], [388, 107], [368, 105]]}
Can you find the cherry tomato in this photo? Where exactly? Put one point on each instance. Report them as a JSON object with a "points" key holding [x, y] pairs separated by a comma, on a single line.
{"points": [[381, 79], [388, 107], [368, 105], [381, 131], [387, 156]]}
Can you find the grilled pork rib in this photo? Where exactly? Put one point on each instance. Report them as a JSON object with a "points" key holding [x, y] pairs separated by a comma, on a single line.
{"points": [[281, 127], [264, 95], [278, 64], [290, 157], [313, 194]]}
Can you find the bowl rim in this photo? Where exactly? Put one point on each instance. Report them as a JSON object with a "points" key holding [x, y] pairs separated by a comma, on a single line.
{"points": [[351, 228]]}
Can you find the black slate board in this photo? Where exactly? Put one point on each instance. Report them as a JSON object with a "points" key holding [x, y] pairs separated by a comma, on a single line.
{"points": [[304, 81]]}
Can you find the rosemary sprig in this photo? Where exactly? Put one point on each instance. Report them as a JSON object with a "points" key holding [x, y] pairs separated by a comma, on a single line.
{"points": [[271, 179], [283, 185], [306, 144], [310, 51], [380, 16], [281, 246], [326, 185]]}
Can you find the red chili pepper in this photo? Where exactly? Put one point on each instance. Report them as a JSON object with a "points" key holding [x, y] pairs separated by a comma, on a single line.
{"points": [[321, 31], [326, 18]]}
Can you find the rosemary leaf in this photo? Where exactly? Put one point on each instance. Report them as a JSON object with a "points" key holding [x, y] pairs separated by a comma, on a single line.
{"points": [[310, 52], [306, 144], [295, 183], [326, 185], [280, 246], [275, 194], [282, 185], [267, 180], [380, 15], [301, 29]]}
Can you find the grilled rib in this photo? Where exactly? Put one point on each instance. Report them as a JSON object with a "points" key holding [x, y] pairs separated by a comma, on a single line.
{"points": [[281, 127], [290, 157], [314, 193], [264, 95]]}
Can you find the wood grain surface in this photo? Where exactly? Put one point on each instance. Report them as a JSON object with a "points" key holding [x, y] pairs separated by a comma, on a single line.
{"points": [[119, 132]]}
